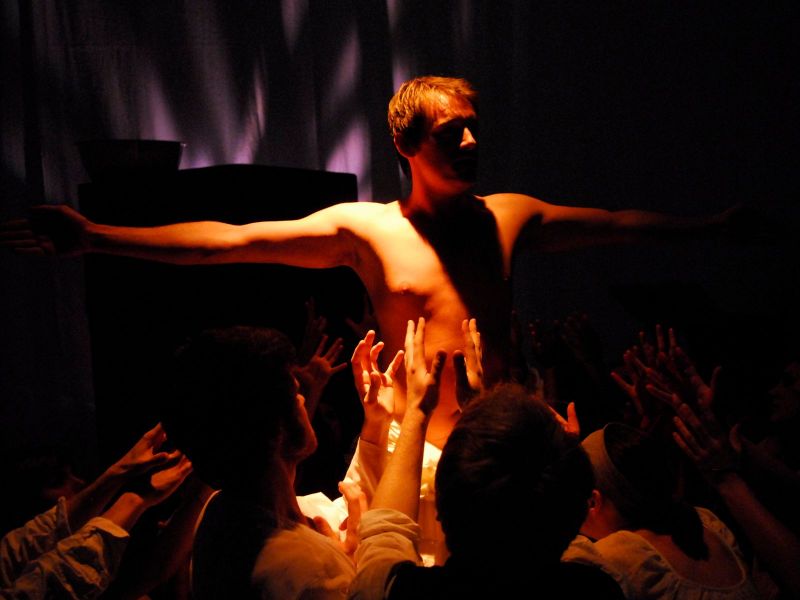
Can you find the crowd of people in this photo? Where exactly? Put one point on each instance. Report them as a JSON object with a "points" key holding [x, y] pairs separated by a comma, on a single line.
{"points": [[668, 499], [494, 460]]}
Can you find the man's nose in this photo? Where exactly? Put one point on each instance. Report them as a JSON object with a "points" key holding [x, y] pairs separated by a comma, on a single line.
{"points": [[467, 139]]}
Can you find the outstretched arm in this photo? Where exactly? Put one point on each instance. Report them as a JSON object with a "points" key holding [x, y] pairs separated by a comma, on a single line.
{"points": [[319, 240], [705, 442], [142, 457], [567, 227]]}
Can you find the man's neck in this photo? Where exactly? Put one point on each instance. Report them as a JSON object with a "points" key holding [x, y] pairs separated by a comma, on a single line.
{"points": [[274, 491], [422, 204]]}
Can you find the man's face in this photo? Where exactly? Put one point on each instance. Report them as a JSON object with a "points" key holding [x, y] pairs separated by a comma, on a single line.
{"points": [[448, 154]]}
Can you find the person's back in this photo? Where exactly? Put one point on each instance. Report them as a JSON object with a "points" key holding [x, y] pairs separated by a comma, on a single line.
{"points": [[242, 551], [563, 580], [235, 409]]}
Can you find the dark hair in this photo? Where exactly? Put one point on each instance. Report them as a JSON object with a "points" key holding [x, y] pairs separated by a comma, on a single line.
{"points": [[232, 401], [508, 456], [646, 465], [409, 108]]}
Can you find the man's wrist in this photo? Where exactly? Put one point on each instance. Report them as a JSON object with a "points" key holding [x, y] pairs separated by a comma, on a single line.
{"points": [[376, 431], [723, 474], [126, 510]]}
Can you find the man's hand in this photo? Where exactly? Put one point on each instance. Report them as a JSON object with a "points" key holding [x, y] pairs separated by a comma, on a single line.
{"points": [[570, 425], [164, 481], [367, 322], [144, 455], [356, 506], [704, 441], [468, 365], [317, 372], [373, 385], [422, 386], [51, 229]]}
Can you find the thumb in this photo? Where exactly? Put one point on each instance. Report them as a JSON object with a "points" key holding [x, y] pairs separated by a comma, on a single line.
{"points": [[323, 527]]}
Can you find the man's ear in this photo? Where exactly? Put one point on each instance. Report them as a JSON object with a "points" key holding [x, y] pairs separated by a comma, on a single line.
{"points": [[403, 147]]}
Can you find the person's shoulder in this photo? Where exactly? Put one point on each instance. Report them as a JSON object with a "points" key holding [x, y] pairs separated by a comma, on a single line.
{"points": [[505, 198], [360, 212], [514, 211], [510, 201]]}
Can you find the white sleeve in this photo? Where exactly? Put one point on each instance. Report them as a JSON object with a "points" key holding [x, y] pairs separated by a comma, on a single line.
{"points": [[388, 537], [26, 543], [80, 566], [367, 466]]}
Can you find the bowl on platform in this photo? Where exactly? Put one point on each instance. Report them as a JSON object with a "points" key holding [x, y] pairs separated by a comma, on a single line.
{"points": [[109, 160]]}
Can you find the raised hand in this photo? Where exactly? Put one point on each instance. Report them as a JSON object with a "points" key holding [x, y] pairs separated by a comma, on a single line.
{"points": [[468, 364], [356, 506], [144, 455], [366, 323], [703, 440], [164, 481], [317, 372], [570, 425], [422, 386], [631, 380], [51, 229], [374, 387], [651, 374]]}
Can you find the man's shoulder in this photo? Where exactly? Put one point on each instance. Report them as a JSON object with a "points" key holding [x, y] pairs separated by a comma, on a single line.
{"points": [[515, 210], [357, 211], [510, 199]]}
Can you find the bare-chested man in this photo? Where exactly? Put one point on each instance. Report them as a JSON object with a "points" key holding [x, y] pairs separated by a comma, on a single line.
{"points": [[441, 253]]}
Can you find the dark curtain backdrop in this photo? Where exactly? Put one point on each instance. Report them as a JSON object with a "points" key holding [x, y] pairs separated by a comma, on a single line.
{"points": [[686, 107]]}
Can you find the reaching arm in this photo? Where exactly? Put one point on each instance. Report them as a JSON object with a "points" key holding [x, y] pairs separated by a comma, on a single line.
{"points": [[399, 487], [704, 441], [319, 240], [142, 457], [375, 389]]}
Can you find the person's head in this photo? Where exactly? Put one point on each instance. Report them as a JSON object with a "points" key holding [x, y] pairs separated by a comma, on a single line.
{"points": [[510, 475], [442, 111], [234, 407], [635, 489]]}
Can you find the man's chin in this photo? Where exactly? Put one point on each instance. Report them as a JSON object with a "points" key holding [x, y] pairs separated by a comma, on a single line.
{"points": [[466, 171]]}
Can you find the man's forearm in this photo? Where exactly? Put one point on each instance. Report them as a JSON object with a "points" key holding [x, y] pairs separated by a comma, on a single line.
{"points": [[399, 486], [182, 243], [92, 499], [566, 228]]}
